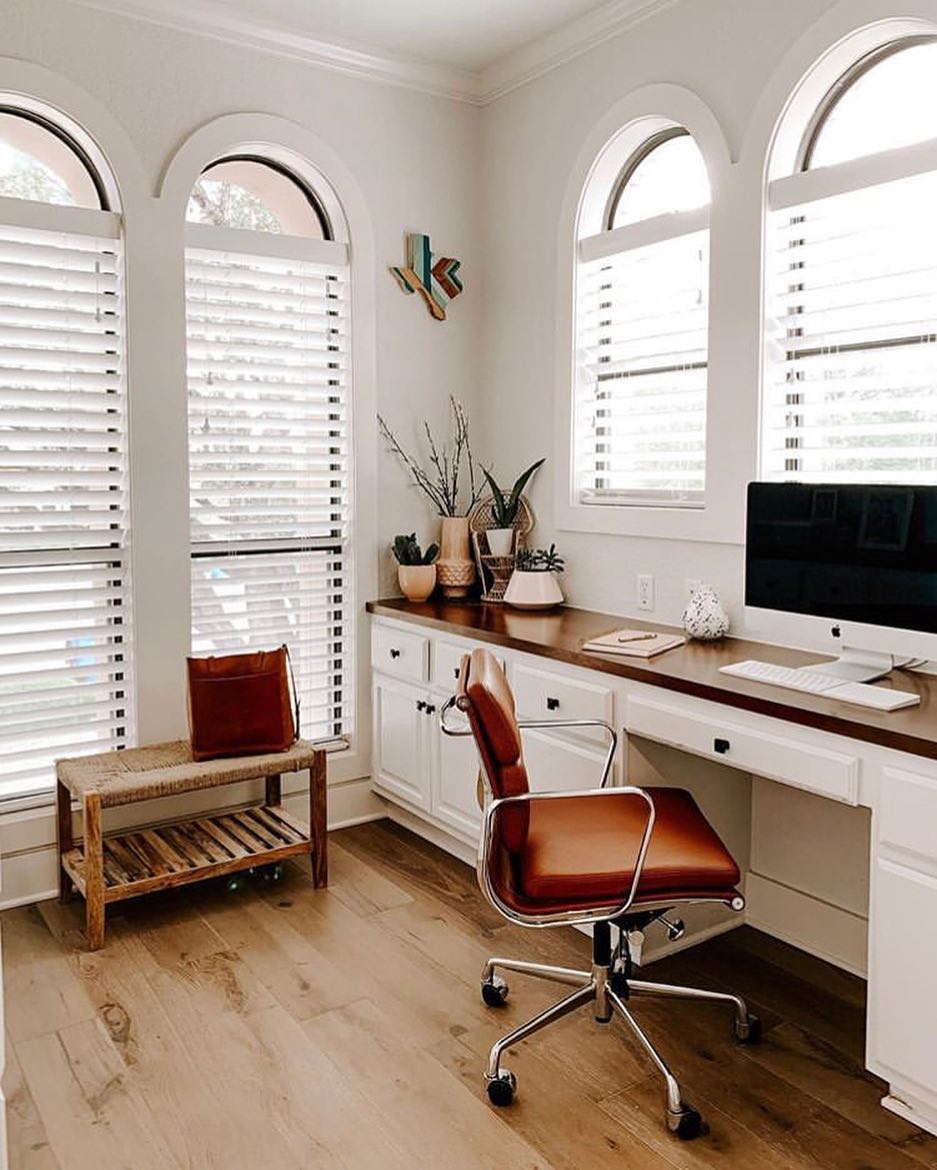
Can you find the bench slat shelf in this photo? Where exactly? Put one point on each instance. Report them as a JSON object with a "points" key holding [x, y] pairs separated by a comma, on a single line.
{"points": [[144, 861], [106, 869]]}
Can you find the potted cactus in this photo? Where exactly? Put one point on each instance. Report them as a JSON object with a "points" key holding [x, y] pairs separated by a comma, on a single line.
{"points": [[504, 509], [533, 583], [416, 570]]}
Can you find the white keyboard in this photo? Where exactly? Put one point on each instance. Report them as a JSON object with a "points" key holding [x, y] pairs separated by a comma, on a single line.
{"points": [[814, 683]]}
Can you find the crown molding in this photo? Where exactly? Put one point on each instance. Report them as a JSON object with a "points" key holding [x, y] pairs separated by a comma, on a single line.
{"points": [[545, 53], [205, 18], [563, 44]]}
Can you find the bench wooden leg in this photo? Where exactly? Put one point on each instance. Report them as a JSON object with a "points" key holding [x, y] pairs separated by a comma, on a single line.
{"points": [[318, 821], [274, 791], [94, 872], [64, 838]]}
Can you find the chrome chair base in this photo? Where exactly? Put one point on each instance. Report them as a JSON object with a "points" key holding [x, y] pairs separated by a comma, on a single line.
{"points": [[598, 987]]}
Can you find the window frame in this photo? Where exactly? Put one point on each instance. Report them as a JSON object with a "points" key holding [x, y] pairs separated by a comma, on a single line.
{"points": [[611, 242], [802, 185], [113, 559], [330, 251]]}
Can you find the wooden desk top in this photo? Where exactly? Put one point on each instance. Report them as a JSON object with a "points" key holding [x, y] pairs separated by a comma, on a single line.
{"points": [[692, 669]]}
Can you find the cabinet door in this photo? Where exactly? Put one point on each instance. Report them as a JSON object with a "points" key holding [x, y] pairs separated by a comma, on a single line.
{"points": [[456, 784], [401, 742], [902, 1013], [553, 764]]}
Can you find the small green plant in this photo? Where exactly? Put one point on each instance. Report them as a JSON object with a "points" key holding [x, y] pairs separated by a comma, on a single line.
{"points": [[408, 552], [505, 505], [540, 560]]}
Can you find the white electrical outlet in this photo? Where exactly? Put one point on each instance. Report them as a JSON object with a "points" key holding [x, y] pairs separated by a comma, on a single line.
{"points": [[645, 591]]}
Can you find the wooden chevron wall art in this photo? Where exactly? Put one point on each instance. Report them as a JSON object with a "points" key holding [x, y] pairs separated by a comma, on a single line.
{"points": [[435, 279]]}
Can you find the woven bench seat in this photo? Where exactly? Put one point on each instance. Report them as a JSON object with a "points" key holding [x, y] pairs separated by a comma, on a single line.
{"points": [[168, 769], [107, 869]]}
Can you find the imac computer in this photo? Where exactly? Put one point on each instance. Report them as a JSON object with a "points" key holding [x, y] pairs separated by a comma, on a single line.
{"points": [[852, 565]]}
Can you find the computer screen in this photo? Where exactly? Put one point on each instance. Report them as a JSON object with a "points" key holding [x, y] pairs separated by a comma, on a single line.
{"points": [[854, 553]]}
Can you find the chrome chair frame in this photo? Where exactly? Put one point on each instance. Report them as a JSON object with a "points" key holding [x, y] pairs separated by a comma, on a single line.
{"points": [[596, 985]]}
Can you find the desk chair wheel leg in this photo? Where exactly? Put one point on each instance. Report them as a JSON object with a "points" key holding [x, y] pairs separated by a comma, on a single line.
{"points": [[494, 991], [501, 1088], [749, 1031], [686, 1122]]}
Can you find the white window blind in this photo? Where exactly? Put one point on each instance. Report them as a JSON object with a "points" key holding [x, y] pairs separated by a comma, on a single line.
{"points": [[268, 354], [640, 409], [852, 392], [64, 627]]}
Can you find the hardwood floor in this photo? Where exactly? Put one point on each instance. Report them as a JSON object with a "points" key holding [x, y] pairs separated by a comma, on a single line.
{"points": [[283, 1027]]}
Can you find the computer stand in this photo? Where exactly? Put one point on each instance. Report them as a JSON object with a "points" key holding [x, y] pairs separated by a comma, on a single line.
{"points": [[859, 665]]}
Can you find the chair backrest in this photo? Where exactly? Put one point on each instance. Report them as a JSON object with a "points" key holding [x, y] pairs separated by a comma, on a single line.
{"points": [[485, 697]]}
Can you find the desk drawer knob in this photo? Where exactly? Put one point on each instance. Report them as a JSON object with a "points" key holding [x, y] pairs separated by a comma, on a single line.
{"points": [[721, 746], [552, 704], [395, 653]]}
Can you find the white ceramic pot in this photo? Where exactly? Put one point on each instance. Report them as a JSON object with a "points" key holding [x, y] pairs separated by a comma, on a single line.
{"points": [[500, 541], [417, 582], [533, 590]]}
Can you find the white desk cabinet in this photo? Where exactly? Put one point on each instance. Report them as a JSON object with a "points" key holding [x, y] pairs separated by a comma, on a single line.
{"points": [[882, 763]]}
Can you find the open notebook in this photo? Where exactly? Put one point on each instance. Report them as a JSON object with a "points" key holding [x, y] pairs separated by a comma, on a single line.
{"points": [[633, 643]]}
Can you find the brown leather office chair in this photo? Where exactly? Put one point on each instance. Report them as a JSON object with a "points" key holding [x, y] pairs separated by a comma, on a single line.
{"points": [[608, 856]]}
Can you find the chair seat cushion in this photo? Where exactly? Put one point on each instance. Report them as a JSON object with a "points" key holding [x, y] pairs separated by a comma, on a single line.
{"points": [[580, 851]]}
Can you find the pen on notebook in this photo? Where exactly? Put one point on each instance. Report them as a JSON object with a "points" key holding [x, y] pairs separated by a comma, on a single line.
{"points": [[637, 638]]}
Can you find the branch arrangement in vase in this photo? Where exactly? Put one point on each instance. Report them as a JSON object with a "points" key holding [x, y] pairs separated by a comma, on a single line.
{"points": [[440, 480]]}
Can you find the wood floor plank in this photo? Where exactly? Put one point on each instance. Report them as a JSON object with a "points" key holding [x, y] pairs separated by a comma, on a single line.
{"points": [[553, 1116], [281, 1027], [429, 1113], [41, 991], [28, 1142]]}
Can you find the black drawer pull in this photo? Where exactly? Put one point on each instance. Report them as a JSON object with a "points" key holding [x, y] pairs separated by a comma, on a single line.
{"points": [[420, 705], [457, 672], [430, 709], [721, 746], [395, 653], [552, 704]]}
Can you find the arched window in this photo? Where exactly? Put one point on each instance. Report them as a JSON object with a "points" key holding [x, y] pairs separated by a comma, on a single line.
{"points": [[268, 377], [64, 635], [851, 382], [642, 322]]}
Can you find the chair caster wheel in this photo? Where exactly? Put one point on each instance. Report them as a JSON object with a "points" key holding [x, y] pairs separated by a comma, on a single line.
{"points": [[494, 991], [501, 1088], [687, 1124], [750, 1031]]}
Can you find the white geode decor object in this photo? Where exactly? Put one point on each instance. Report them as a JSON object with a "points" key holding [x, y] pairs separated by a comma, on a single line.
{"points": [[704, 618]]}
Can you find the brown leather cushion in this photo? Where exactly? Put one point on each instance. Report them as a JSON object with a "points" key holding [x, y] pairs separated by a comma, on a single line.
{"points": [[580, 851]]}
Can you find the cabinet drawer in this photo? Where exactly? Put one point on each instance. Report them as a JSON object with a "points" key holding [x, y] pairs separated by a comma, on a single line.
{"points": [[541, 694], [907, 813], [447, 661], [400, 653], [814, 769]]}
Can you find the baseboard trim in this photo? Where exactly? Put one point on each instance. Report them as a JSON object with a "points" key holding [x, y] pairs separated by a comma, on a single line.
{"points": [[827, 932]]}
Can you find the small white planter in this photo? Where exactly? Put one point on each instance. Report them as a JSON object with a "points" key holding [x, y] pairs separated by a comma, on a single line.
{"points": [[500, 541], [533, 590]]}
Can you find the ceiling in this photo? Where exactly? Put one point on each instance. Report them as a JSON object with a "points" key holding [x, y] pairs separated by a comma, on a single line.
{"points": [[466, 34]]}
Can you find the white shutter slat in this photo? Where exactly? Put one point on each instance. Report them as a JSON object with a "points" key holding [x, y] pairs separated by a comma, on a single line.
{"points": [[854, 337], [642, 342], [64, 665], [268, 359]]}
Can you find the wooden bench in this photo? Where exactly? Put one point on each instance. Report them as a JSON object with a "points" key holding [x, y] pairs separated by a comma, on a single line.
{"points": [[142, 861]]}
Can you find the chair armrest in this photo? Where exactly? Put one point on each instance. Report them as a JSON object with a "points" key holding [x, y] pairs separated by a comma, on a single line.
{"points": [[603, 913], [445, 726], [523, 724]]}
